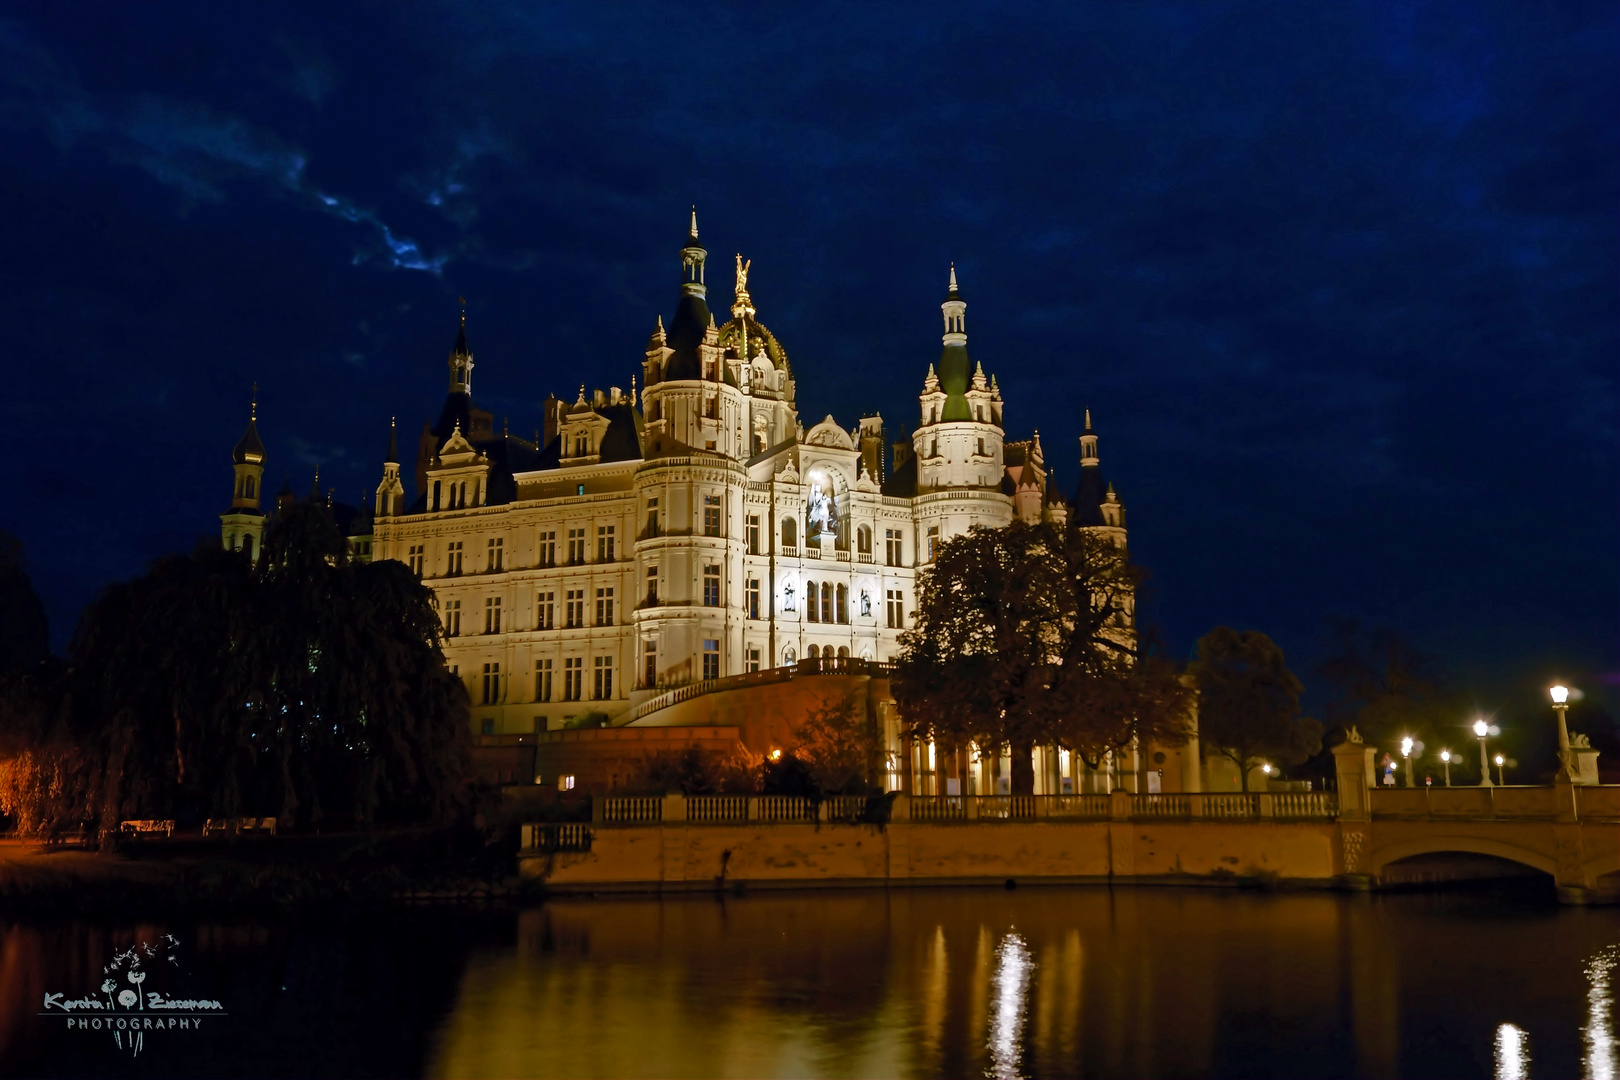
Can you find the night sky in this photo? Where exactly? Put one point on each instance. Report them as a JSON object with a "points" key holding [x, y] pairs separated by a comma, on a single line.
{"points": [[1338, 282]]}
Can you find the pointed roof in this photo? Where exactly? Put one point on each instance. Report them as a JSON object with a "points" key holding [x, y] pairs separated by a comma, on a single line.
{"points": [[393, 444], [249, 449]]}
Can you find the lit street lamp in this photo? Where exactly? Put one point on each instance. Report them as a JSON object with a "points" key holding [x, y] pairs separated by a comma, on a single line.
{"points": [[1445, 756], [1482, 729], [1560, 697], [1500, 777], [1406, 752]]}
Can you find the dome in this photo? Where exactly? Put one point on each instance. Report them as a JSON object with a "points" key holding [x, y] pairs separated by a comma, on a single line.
{"points": [[249, 450], [731, 337]]}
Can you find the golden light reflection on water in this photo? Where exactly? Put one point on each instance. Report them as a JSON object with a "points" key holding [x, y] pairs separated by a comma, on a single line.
{"points": [[1052, 982], [1599, 1060]]}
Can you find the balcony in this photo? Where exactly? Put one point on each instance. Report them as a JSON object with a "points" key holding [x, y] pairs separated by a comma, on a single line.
{"points": [[865, 557], [790, 551]]}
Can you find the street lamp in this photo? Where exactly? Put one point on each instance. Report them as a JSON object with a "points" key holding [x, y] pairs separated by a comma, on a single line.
{"points": [[1560, 697], [1445, 756], [1501, 778], [1406, 752], [1482, 729]]}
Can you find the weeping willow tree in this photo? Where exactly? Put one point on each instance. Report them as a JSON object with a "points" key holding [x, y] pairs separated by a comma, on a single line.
{"points": [[302, 686]]}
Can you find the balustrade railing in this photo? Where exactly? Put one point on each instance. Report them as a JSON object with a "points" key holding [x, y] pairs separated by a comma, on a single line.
{"points": [[1304, 805], [1161, 806], [556, 837], [845, 807], [778, 809], [935, 809], [717, 808], [633, 809], [1083, 807]]}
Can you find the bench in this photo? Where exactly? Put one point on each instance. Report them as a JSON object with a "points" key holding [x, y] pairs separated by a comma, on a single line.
{"points": [[239, 825], [147, 826]]}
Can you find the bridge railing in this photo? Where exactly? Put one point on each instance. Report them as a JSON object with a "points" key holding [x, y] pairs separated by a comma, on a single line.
{"points": [[1497, 801], [1598, 803], [633, 810]]}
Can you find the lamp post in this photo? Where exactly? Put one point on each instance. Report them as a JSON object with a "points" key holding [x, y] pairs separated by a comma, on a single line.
{"points": [[1560, 697], [1445, 756], [1406, 753], [1482, 729], [1501, 777]]}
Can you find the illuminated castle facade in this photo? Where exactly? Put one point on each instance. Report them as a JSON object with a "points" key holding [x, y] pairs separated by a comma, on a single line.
{"points": [[696, 530]]}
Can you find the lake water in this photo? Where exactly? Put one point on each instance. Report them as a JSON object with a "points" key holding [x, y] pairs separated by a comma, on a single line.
{"points": [[967, 982]]}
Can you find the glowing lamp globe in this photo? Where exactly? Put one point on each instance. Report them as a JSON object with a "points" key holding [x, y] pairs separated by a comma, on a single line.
{"points": [[1481, 729], [1560, 694]]}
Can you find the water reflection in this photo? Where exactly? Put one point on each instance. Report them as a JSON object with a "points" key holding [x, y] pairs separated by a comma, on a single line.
{"points": [[1512, 1053], [1011, 986], [1598, 1033]]}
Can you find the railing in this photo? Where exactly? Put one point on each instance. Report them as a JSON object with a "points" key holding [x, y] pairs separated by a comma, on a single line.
{"points": [[1305, 805], [844, 807], [556, 837], [790, 551], [821, 665], [938, 809], [781, 808], [811, 551], [1161, 806], [841, 554], [633, 809], [1497, 801], [1006, 807], [865, 557], [1093, 807], [1599, 803], [717, 808]]}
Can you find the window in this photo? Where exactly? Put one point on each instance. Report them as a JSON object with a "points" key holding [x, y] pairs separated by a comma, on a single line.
{"points": [[751, 598], [788, 655], [981, 446], [492, 684], [582, 444], [604, 607], [573, 678], [753, 659], [492, 614], [892, 550], [812, 610], [452, 618], [453, 558], [546, 612], [842, 604], [711, 658], [711, 585], [649, 665], [652, 586], [247, 547], [751, 532], [565, 783], [815, 652], [652, 518], [576, 546], [496, 554], [933, 542], [933, 447], [711, 515], [415, 559], [488, 725], [548, 549], [575, 611], [603, 688], [604, 543], [790, 533], [896, 609], [826, 602], [863, 540], [542, 680]]}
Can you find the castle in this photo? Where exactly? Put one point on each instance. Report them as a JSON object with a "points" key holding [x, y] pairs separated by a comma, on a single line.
{"points": [[692, 531]]}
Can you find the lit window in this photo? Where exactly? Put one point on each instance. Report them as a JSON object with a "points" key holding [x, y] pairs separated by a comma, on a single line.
{"points": [[565, 783], [711, 515], [711, 658]]}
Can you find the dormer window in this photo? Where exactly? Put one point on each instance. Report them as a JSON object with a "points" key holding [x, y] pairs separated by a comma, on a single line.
{"points": [[582, 444]]}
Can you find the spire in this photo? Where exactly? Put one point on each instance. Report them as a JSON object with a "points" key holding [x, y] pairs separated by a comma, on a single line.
{"points": [[249, 450], [461, 359], [393, 443], [693, 235], [1088, 421], [953, 291], [1088, 446], [955, 310]]}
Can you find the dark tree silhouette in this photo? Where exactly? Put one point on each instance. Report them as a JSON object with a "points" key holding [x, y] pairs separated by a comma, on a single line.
{"points": [[1248, 701], [1023, 636], [25, 637]]}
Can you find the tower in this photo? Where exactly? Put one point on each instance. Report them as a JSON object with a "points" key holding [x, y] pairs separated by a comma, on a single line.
{"points": [[242, 526], [1096, 504], [391, 493], [959, 435], [461, 361]]}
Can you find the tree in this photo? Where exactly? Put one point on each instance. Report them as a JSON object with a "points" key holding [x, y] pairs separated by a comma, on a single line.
{"points": [[1389, 690], [24, 633], [840, 747], [1248, 701], [1023, 636]]}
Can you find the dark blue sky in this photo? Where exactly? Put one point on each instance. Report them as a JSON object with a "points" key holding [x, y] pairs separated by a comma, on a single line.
{"points": [[1338, 281]]}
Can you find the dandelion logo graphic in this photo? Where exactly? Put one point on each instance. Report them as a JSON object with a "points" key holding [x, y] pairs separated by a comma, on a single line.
{"points": [[126, 1009]]}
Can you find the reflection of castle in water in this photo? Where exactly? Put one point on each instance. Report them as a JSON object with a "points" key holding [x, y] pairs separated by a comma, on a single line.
{"points": [[693, 531]]}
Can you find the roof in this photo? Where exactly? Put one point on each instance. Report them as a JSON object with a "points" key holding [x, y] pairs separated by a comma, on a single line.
{"points": [[955, 372], [249, 449], [685, 334], [731, 335], [1089, 495]]}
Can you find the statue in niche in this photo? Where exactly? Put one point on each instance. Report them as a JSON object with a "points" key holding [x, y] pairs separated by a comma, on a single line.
{"points": [[866, 605], [787, 597], [823, 516], [759, 434]]}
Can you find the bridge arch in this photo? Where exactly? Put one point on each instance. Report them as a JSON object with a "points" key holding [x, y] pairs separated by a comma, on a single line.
{"points": [[1381, 857]]}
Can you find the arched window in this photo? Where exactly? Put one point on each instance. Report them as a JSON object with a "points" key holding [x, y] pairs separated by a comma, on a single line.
{"points": [[788, 655], [843, 652], [790, 533], [826, 601], [810, 606], [863, 540], [249, 487], [247, 546], [843, 604], [815, 651], [581, 444]]}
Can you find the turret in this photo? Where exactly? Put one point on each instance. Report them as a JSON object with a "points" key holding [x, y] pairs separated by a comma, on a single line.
{"points": [[959, 435], [391, 493], [461, 361], [1095, 505], [242, 526]]}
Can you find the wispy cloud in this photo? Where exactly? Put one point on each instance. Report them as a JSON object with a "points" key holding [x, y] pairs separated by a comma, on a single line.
{"points": [[190, 148]]}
